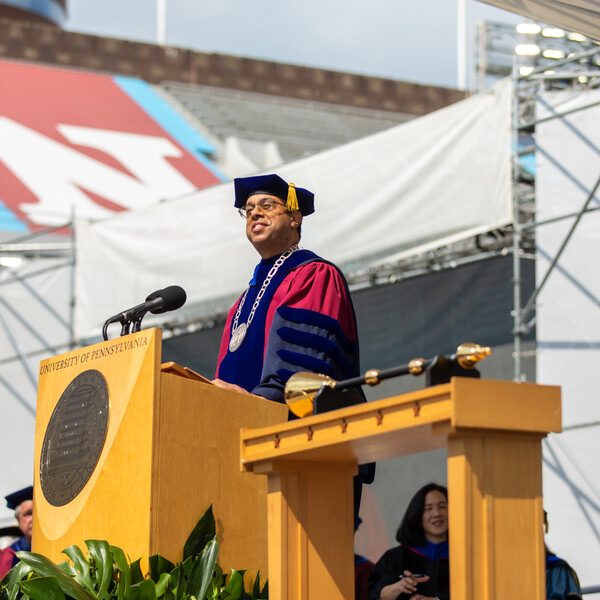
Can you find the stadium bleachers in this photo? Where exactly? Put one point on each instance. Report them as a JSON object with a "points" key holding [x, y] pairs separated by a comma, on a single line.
{"points": [[299, 128]]}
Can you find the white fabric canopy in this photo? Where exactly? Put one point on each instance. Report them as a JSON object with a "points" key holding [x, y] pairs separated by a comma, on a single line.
{"points": [[582, 16], [418, 186], [568, 322]]}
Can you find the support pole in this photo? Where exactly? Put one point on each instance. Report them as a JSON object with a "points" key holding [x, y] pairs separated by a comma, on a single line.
{"points": [[517, 232], [161, 22], [461, 44]]}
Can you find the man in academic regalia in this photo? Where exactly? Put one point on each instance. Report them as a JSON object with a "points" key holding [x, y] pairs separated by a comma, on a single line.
{"points": [[296, 314], [21, 502], [562, 582]]}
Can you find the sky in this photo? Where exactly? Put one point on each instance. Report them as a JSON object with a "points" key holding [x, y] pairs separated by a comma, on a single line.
{"points": [[397, 39]]}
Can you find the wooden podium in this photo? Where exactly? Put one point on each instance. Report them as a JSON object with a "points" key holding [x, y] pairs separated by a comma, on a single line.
{"points": [[134, 453], [493, 432]]}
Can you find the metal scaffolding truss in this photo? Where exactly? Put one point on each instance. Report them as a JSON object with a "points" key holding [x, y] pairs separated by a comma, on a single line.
{"points": [[577, 72], [29, 312]]}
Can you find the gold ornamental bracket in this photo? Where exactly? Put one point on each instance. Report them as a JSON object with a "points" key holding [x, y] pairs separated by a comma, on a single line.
{"points": [[302, 388]]}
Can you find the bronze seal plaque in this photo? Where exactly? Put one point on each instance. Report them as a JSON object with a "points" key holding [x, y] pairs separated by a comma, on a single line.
{"points": [[74, 438]]}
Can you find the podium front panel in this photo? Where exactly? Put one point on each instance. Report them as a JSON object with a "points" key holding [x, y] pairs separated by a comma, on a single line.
{"points": [[65, 456], [141, 476]]}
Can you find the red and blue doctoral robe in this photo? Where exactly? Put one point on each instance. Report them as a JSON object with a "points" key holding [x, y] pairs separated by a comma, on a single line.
{"points": [[304, 322]]}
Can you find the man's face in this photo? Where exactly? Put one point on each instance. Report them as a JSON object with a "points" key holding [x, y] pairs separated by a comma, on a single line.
{"points": [[25, 518], [271, 232]]}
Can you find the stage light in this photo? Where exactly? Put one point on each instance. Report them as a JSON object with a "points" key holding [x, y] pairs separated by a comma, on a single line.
{"points": [[551, 53], [535, 46], [527, 49], [582, 79], [553, 32], [528, 28]]}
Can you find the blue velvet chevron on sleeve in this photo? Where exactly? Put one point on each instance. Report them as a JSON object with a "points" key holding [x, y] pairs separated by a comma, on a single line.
{"points": [[305, 340]]}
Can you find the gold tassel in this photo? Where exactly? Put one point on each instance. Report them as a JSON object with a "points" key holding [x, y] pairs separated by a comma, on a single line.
{"points": [[292, 200]]}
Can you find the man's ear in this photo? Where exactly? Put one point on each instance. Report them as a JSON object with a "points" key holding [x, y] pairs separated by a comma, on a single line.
{"points": [[296, 219]]}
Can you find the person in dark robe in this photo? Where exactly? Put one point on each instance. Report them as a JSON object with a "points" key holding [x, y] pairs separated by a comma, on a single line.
{"points": [[296, 313], [562, 582], [418, 568], [21, 502], [362, 569]]}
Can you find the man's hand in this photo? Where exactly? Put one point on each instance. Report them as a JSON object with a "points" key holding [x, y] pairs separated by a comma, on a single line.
{"points": [[232, 387]]}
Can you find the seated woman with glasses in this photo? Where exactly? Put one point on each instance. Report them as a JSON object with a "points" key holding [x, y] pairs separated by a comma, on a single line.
{"points": [[418, 568]]}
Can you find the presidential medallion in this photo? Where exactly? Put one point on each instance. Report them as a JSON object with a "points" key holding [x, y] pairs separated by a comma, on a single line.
{"points": [[237, 337], [238, 332]]}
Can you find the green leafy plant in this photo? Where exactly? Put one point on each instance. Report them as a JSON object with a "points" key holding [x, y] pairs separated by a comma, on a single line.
{"points": [[104, 573]]}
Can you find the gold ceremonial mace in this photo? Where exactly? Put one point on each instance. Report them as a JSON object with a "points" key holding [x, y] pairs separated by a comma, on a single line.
{"points": [[302, 387]]}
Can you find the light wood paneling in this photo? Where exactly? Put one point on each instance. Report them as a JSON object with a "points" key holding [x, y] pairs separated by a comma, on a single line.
{"points": [[493, 431], [171, 450], [115, 503]]}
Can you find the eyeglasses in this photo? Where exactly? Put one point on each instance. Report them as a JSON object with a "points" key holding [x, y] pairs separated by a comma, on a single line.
{"points": [[266, 205]]}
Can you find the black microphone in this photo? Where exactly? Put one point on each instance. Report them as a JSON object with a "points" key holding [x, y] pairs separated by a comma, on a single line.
{"points": [[161, 301]]}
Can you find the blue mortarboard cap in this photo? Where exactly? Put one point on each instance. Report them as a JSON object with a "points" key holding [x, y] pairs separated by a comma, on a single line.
{"points": [[13, 500], [295, 198]]}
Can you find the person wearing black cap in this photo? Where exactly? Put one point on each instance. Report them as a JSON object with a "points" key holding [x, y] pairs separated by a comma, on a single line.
{"points": [[21, 502], [296, 314]]}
